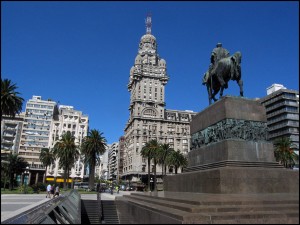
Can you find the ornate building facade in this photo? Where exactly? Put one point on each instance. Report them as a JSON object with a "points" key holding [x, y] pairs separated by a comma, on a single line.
{"points": [[68, 119], [148, 117]]}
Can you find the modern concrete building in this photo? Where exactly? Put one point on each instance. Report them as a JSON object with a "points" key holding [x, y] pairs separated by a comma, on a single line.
{"points": [[35, 134], [68, 119], [113, 150], [148, 117], [282, 108], [11, 133]]}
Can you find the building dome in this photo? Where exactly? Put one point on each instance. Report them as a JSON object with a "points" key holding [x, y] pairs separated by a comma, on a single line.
{"points": [[148, 38], [162, 62]]}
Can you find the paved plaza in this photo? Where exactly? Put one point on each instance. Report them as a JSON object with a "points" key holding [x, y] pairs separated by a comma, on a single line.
{"points": [[14, 204]]}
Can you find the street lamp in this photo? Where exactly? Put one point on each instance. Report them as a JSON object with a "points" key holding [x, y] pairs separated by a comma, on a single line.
{"points": [[26, 173], [151, 184]]}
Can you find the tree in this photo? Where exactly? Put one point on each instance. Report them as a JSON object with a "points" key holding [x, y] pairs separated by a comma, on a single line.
{"points": [[177, 159], [93, 145], [67, 152], [151, 151], [15, 165], [11, 103], [47, 158], [165, 150], [283, 152]]}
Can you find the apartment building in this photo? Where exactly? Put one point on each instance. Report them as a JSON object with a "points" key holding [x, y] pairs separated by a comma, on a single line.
{"points": [[11, 132], [282, 109], [113, 150], [35, 134], [66, 119]]}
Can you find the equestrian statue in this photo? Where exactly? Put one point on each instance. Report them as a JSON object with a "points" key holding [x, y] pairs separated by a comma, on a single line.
{"points": [[223, 68]]}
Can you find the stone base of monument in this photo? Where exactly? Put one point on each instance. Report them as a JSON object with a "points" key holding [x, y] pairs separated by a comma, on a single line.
{"points": [[202, 208], [233, 180], [231, 153], [232, 175]]}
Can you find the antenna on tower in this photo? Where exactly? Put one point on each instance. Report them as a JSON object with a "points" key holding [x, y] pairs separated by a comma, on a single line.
{"points": [[148, 23]]}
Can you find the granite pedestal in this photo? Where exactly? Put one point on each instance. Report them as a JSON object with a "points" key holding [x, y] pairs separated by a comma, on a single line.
{"points": [[237, 160]]}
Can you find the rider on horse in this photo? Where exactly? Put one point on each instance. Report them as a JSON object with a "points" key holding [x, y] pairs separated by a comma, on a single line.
{"points": [[217, 54]]}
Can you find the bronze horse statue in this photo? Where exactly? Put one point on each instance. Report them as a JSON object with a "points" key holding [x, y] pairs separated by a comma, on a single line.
{"points": [[226, 69]]}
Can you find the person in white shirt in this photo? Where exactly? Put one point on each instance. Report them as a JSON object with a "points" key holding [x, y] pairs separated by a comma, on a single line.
{"points": [[48, 191]]}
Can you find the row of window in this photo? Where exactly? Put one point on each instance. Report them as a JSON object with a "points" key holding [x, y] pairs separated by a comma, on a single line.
{"points": [[39, 106]]}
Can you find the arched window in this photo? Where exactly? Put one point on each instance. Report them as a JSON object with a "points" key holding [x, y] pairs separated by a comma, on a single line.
{"points": [[149, 113]]}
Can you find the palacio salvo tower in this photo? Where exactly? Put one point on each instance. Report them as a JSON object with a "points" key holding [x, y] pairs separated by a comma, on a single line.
{"points": [[148, 117]]}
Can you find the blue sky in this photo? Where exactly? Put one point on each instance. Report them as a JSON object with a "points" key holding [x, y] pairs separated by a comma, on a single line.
{"points": [[80, 53]]}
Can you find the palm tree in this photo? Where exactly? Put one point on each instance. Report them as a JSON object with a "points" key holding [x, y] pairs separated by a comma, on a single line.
{"points": [[47, 158], [164, 152], [177, 159], [93, 145], [67, 152], [151, 151], [11, 103], [283, 152], [15, 165]]}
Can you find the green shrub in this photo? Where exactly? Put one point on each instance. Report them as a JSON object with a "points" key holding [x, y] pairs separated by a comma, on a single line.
{"points": [[28, 189], [42, 186]]}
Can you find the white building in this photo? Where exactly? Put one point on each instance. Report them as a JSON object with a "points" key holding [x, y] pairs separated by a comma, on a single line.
{"points": [[68, 119], [274, 87], [10, 133], [35, 134], [101, 170]]}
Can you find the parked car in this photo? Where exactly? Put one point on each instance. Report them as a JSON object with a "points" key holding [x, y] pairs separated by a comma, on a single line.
{"points": [[81, 185], [129, 188]]}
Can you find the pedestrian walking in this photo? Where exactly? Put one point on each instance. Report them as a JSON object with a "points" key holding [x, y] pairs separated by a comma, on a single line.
{"points": [[48, 191], [52, 190], [56, 191]]}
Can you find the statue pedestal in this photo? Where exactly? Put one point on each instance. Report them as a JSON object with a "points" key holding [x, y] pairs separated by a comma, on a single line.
{"points": [[230, 153], [232, 176]]}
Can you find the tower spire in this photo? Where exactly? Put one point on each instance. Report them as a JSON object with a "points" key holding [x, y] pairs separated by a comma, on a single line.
{"points": [[148, 23]]}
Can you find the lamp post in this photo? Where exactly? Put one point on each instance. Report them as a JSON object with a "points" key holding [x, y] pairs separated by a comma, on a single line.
{"points": [[151, 184], [26, 173]]}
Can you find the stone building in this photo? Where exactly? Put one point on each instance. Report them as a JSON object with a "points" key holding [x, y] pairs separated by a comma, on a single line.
{"points": [[68, 119], [149, 119]]}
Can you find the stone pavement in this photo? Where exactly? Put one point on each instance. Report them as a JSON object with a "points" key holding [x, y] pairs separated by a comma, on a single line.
{"points": [[14, 204]]}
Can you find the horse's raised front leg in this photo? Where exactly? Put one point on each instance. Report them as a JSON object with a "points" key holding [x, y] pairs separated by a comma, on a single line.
{"points": [[240, 83]]}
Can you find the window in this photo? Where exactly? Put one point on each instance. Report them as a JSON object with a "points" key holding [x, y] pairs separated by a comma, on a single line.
{"points": [[149, 113]]}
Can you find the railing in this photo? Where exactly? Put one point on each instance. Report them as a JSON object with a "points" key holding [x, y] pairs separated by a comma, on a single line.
{"points": [[64, 209]]}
